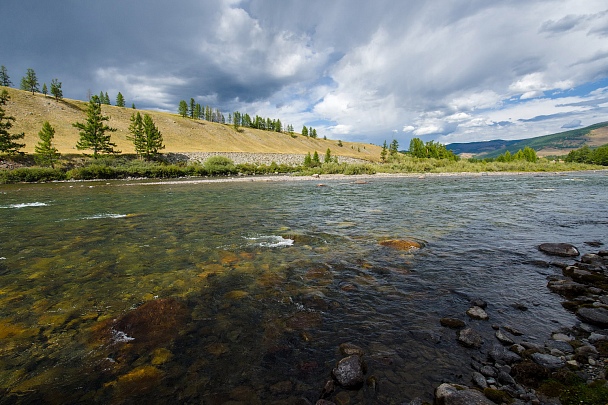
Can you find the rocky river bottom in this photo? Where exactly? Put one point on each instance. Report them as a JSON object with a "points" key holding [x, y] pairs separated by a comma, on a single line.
{"points": [[349, 291]]}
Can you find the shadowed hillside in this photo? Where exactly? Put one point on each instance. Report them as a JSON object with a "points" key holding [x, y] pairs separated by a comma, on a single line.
{"points": [[179, 134]]}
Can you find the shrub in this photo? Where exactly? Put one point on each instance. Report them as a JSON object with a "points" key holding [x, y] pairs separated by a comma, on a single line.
{"points": [[31, 175], [219, 165]]}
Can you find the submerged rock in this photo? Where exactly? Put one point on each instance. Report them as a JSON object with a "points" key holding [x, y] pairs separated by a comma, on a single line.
{"points": [[401, 244], [477, 313], [470, 338], [559, 249], [452, 323]]}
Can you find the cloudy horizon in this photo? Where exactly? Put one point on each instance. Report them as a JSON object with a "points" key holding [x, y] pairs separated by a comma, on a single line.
{"points": [[355, 70]]}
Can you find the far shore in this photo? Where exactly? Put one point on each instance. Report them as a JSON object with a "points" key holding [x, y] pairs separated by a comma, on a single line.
{"points": [[351, 178]]}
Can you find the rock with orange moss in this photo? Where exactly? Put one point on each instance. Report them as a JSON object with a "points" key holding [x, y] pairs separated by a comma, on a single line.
{"points": [[401, 244]]}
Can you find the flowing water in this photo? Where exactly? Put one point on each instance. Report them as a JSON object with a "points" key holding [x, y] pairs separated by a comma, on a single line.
{"points": [[242, 292]]}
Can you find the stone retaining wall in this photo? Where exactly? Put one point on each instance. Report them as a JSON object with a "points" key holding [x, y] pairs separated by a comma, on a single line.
{"points": [[256, 158]]}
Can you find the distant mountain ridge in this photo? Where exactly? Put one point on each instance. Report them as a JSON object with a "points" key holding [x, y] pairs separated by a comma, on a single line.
{"points": [[554, 144]]}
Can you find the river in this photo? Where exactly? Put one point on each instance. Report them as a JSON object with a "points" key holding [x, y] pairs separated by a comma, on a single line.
{"points": [[242, 292]]}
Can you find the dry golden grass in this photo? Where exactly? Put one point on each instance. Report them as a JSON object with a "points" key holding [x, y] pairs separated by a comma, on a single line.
{"points": [[179, 134]]}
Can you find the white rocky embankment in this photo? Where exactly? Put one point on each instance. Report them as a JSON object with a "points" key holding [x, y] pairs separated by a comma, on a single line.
{"points": [[253, 158]]}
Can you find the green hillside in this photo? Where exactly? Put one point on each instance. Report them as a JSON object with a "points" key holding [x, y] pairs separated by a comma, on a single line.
{"points": [[554, 144]]}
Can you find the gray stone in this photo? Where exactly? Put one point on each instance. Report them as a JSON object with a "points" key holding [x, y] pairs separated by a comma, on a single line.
{"points": [[470, 338], [452, 323], [349, 372], [448, 394], [559, 345], [501, 355], [504, 339], [479, 380], [548, 361], [505, 379], [595, 316], [348, 349], [512, 330], [559, 249], [477, 313], [488, 371]]}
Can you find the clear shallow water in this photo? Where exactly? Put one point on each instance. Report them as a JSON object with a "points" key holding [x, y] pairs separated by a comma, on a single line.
{"points": [[191, 293]]}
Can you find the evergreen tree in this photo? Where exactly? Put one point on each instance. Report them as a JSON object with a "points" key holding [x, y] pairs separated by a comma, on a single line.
{"points": [[120, 100], [56, 89], [304, 131], [198, 111], [192, 107], [383, 152], [327, 156], [93, 131], [102, 98], [106, 99], [136, 129], [183, 108], [4, 79], [45, 90], [340, 143], [278, 126], [307, 160], [133, 106], [29, 82], [314, 133], [152, 137], [315, 159], [8, 142], [236, 120], [394, 148], [47, 153]]}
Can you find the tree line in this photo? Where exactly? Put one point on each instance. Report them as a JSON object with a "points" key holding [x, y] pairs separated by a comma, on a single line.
{"points": [[237, 119], [585, 154]]}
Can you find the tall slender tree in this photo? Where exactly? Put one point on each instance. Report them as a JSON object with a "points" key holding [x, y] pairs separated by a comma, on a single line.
{"points": [[304, 131], [153, 138], [93, 131], [192, 107], [394, 148], [45, 90], [182, 109], [47, 153], [8, 142], [136, 129], [383, 152], [56, 89], [29, 82], [120, 100], [4, 78]]}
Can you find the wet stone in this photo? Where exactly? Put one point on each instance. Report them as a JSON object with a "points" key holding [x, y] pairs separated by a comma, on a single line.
{"points": [[452, 323], [478, 302], [477, 313], [559, 249], [449, 394], [504, 339], [349, 372], [479, 380], [548, 361], [595, 316], [348, 349], [470, 338], [488, 371]]}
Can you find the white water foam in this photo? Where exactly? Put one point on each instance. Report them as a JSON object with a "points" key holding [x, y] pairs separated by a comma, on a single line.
{"points": [[270, 241], [25, 205], [106, 216], [121, 337]]}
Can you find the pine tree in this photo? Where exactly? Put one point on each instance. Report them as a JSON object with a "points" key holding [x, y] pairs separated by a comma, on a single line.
{"points": [[4, 79], [304, 131], [47, 153], [327, 156], [192, 107], [394, 148], [314, 133], [56, 89], [44, 90], [120, 100], [307, 160], [153, 138], [133, 106], [384, 152], [7, 141], [183, 108], [93, 131], [29, 82], [315, 159], [340, 144], [106, 99], [136, 129]]}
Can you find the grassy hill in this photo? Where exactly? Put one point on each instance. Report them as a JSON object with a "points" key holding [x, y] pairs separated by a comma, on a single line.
{"points": [[555, 144], [179, 134]]}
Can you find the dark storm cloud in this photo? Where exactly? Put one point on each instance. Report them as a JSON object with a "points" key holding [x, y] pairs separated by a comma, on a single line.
{"points": [[357, 69]]}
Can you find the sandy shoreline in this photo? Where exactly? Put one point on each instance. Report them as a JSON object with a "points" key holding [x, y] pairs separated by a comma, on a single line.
{"points": [[351, 178]]}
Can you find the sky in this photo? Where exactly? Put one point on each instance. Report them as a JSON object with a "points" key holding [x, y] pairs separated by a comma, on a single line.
{"points": [[356, 70]]}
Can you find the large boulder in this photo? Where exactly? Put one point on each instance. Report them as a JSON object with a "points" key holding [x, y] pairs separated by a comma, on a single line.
{"points": [[596, 316], [449, 394], [559, 249], [349, 372], [470, 338]]}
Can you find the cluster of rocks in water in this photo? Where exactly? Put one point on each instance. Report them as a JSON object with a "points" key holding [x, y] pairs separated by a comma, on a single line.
{"points": [[513, 368]]}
